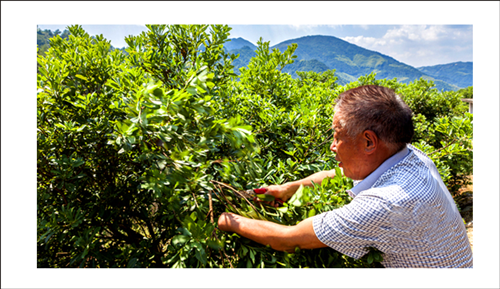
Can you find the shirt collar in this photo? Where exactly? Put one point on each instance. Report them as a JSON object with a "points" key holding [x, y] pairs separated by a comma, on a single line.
{"points": [[375, 175]]}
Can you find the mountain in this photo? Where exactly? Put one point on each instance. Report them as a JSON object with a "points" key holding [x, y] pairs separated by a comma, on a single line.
{"points": [[246, 53], [456, 73], [305, 65], [349, 58], [350, 61], [237, 43]]}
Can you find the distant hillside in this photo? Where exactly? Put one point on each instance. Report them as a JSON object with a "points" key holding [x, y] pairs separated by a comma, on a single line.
{"points": [[349, 58], [456, 73], [237, 43], [321, 53], [246, 53], [305, 65]]}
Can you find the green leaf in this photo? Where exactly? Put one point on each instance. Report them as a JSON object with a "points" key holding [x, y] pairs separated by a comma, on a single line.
{"points": [[370, 258], [245, 250], [338, 172], [311, 213], [132, 263], [252, 255], [283, 209], [214, 245], [201, 256], [178, 240], [265, 197], [81, 77], [295, 200]]}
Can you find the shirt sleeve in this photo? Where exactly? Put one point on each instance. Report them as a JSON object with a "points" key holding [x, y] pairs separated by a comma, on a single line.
{"points": [[365, 222]]}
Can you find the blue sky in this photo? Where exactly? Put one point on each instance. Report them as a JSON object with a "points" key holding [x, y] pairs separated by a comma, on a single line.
{"points": [[416, 45]]}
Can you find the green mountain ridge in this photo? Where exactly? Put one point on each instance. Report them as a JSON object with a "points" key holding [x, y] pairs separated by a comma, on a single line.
{"points": [[456, 73], [237, 43], [349, 61]]}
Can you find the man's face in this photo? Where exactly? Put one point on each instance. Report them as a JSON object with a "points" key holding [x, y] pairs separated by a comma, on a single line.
{"points": [[349, 152]]}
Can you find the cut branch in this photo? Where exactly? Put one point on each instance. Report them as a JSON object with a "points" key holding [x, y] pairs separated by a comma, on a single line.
{"points": [[237, 192], [211, 211]]}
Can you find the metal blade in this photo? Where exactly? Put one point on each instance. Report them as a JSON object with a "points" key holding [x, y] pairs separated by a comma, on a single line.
{"points": [[247, 194]]}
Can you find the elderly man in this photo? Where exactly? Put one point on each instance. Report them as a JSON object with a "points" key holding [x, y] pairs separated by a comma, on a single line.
{"points": [[400, 204]]}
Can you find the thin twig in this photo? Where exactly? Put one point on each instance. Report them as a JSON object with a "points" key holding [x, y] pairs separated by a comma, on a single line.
{"points": [[222, 247], [229, 260], [210, 207], [224, 196], [195, 202], [239, 194], [454, 140]]}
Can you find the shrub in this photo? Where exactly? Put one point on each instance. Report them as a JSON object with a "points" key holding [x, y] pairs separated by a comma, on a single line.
{"points": [[140, 152]]}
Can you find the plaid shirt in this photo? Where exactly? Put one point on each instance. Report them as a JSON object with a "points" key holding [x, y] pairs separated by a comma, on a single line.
{"points": [[403, 209]]}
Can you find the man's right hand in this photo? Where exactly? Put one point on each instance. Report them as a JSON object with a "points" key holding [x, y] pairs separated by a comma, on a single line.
{"points": [[287, 190], [283, 192]]}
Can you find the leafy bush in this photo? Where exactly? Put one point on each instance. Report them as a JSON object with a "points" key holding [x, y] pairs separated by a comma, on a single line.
{"points": [[140, 152]]}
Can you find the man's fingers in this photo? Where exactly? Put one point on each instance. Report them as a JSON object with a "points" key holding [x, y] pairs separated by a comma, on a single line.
{"points": [[270, 203]]}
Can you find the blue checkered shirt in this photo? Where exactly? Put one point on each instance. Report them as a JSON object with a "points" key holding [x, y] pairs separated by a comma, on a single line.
{"points": [[403, 209]]}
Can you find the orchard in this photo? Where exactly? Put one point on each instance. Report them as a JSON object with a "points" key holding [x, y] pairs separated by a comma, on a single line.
{"points": [[139, 152]]}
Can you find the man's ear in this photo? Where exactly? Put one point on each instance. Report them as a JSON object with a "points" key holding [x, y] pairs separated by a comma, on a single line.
{"points": [[371, 141]]}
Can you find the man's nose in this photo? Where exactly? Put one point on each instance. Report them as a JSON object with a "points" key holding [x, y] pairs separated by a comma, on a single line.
{"points": [[333, 147]]}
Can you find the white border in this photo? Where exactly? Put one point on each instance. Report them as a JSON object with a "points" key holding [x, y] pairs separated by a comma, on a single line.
{"points": [[18, 121]]}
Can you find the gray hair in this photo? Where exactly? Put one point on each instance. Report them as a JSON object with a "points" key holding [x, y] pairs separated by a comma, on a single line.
{"points": [[378, 109]]}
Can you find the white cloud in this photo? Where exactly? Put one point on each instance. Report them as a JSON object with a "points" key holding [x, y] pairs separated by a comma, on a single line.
{"points": [[312, 27], [365, 41], [417, 32], [306, 27], [419, 45]]}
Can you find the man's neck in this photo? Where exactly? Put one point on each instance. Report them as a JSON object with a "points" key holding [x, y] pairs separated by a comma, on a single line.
{"points": [[375, 160]]}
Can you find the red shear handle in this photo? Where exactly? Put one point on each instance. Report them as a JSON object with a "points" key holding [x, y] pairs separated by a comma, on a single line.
{"points": [[263, 191], [260, 191]]}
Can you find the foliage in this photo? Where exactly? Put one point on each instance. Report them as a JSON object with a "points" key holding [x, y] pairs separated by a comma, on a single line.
{"points": [[43, 36], [121, 155], [448, 142], [466, 92], [140, 152]]}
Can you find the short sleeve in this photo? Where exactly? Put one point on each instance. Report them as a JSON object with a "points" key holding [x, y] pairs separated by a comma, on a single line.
{"points": [[351, 229]]}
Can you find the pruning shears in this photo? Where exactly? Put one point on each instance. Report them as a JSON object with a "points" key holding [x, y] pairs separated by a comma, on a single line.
{"points": [[260, 194]]}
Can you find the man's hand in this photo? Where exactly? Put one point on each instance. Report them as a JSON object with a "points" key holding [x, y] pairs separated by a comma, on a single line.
{"points": [[283, 192], [279, 237], [227, 221], [287, 190]]}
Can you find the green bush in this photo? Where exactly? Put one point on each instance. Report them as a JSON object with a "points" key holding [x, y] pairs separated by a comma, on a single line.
{"points": [[140, 152]]}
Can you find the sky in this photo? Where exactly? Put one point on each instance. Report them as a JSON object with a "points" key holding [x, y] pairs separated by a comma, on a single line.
{"points": [[415, 45], [19, 118]]}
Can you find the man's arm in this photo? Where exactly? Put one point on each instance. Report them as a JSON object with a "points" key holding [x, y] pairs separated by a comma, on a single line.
{"points": [[287, 190], [279, 237]]}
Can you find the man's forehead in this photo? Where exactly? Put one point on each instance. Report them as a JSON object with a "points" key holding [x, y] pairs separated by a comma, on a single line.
{"points": [[336, 121]]}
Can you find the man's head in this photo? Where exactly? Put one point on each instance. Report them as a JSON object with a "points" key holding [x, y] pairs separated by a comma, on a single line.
{"points": [[371, 123]]}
